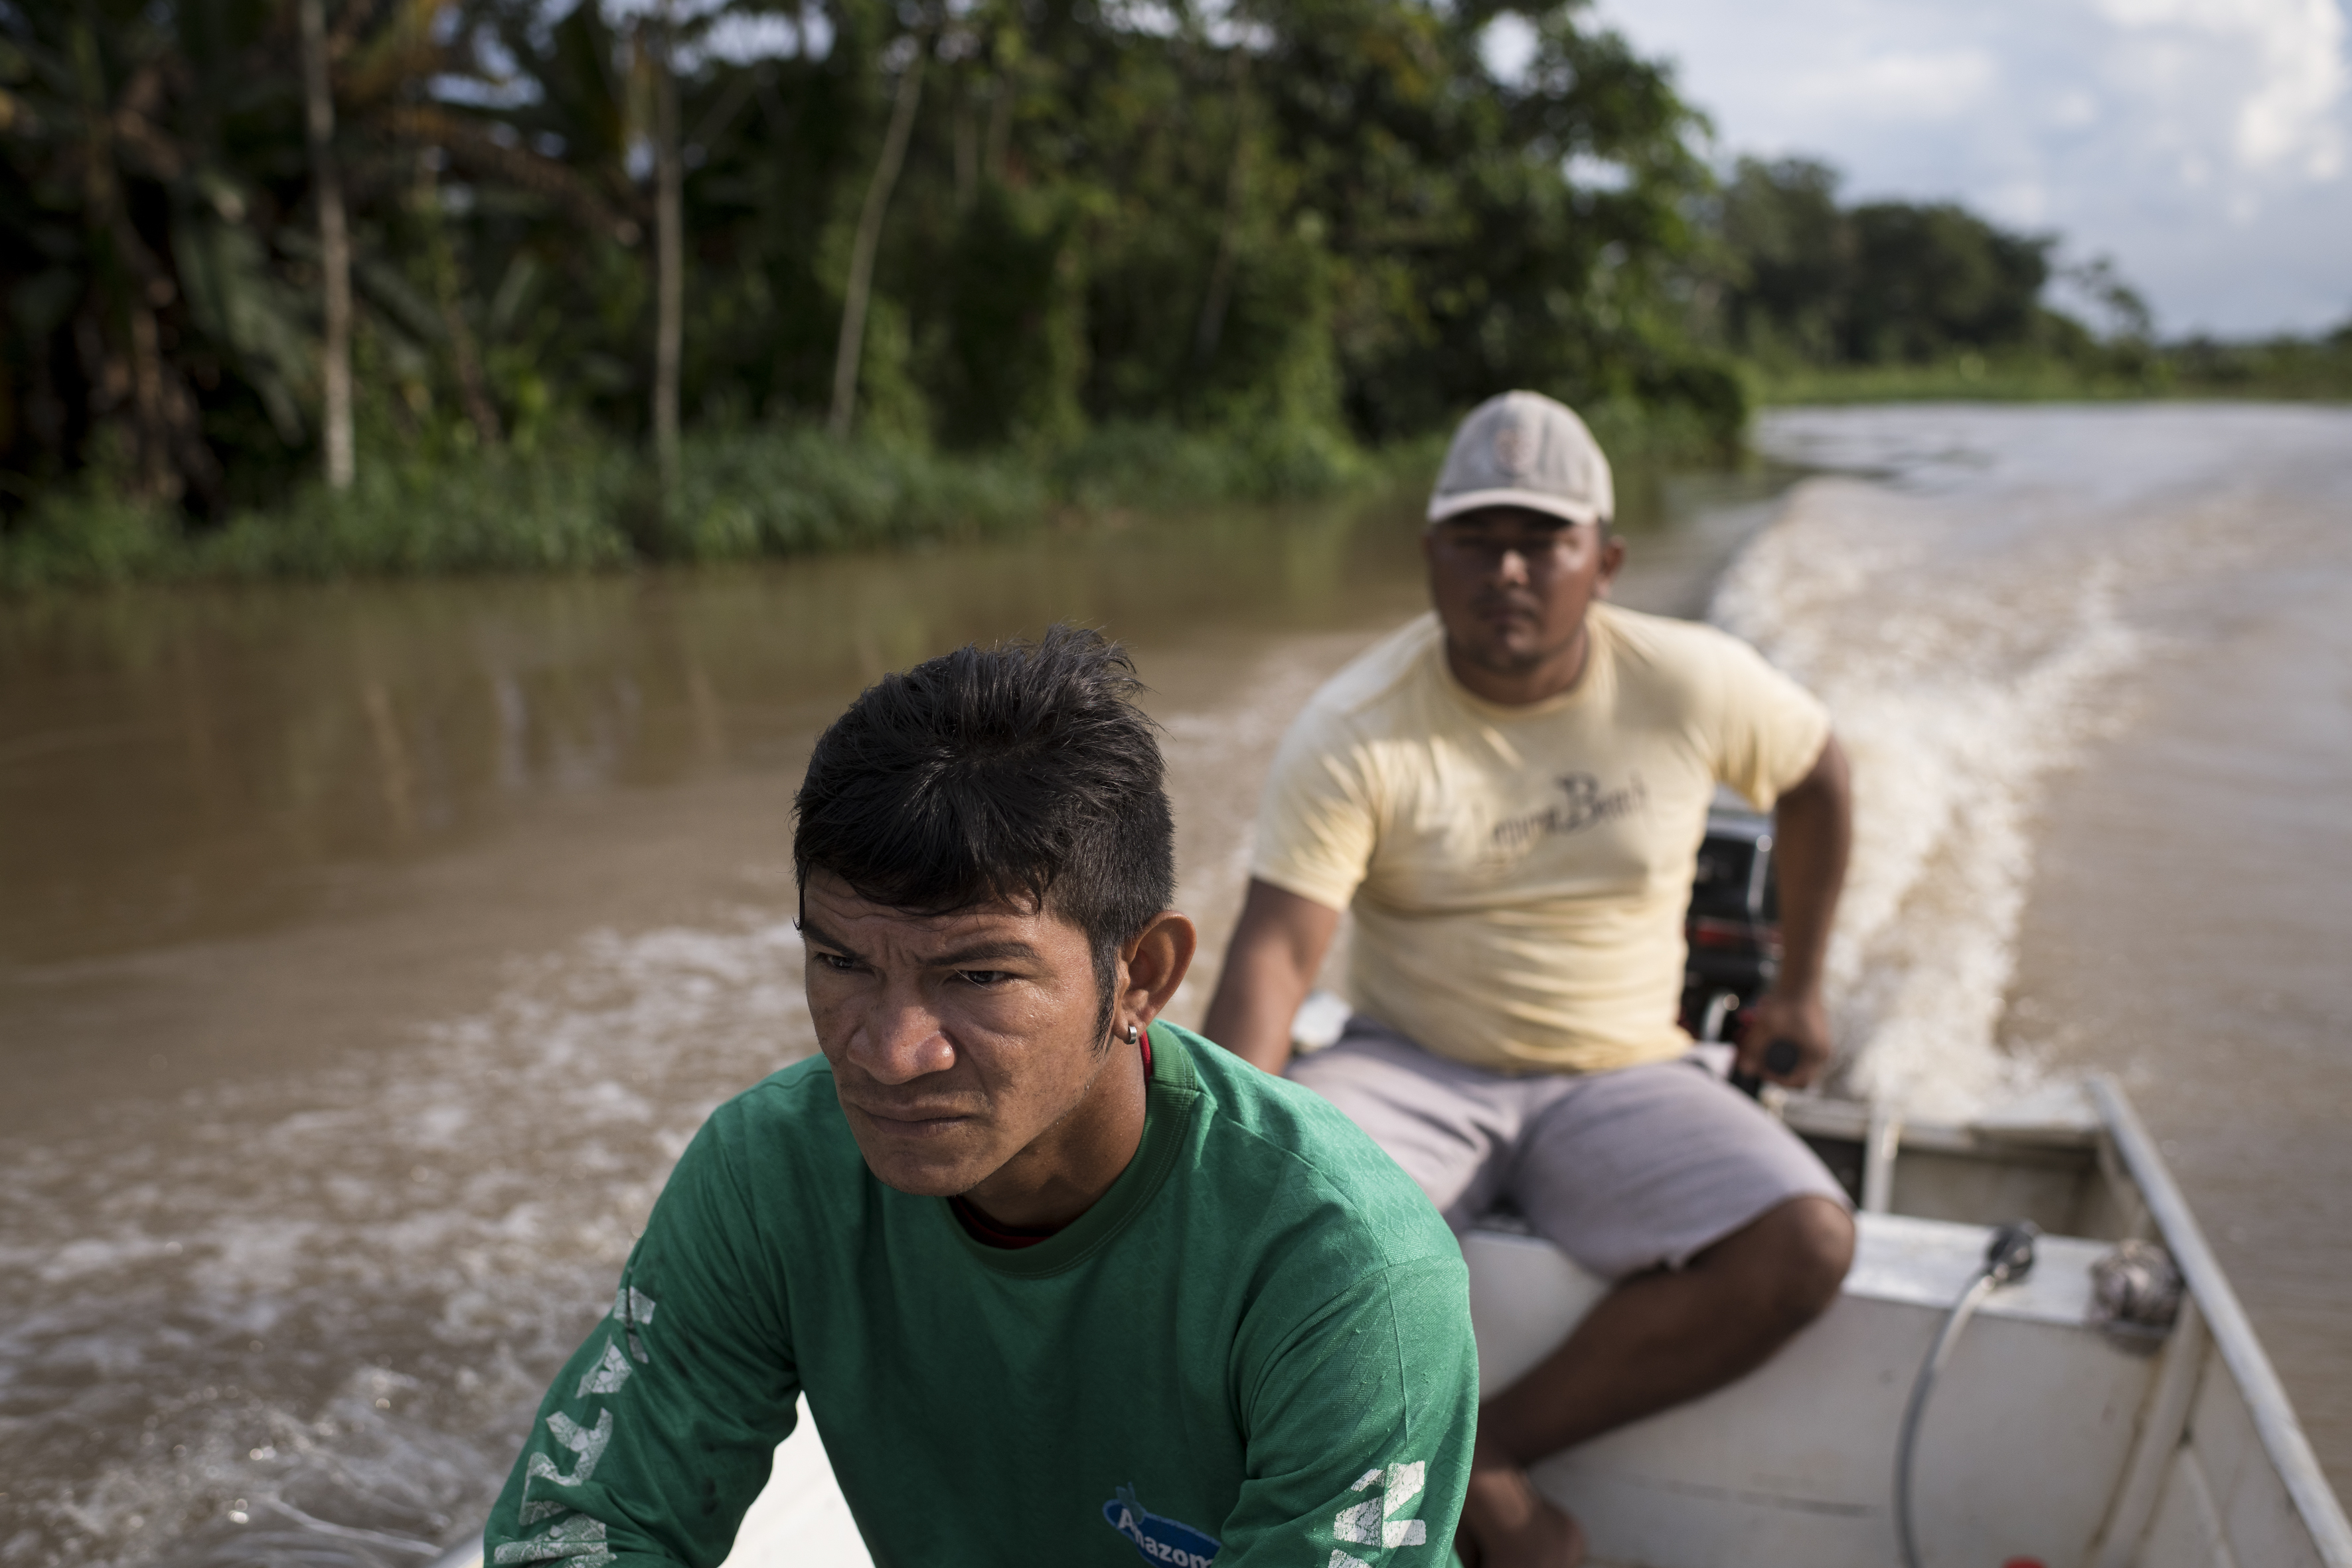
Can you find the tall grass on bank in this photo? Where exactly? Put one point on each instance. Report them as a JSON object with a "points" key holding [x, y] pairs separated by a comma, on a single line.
{"points": [[750, 493], [584, 503], [553, 510], [2284, 369], [1966, 378], [579, 504]]}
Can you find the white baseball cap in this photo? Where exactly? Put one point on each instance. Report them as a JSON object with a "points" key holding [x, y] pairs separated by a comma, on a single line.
{"points": [[1524, 449]]}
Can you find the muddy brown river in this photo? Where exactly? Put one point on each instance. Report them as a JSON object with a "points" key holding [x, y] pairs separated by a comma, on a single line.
{"points": [[367, 952]]}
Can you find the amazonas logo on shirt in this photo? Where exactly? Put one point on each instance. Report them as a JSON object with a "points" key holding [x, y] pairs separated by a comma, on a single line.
{"points": [[1159, 1540]]}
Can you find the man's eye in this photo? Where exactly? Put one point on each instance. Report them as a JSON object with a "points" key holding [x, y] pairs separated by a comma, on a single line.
{"points": [[985, 978], [837, 962]]}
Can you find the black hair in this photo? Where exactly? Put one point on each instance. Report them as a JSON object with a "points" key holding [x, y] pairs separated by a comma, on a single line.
{"points": [[1020, 774]]}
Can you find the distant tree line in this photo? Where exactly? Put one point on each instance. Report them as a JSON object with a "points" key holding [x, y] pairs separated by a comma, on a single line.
{"points": [[665, 277], [504, 223], [1891, 282], [1826, 299]]}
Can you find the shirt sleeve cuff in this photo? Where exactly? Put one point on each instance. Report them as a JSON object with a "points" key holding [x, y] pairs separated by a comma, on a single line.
{"points": [[1331, 892]]}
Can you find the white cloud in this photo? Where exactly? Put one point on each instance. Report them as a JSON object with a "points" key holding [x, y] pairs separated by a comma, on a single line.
{"points": [[1507, 46], [2074, 110], [2020, 204], [2206, 145], [1907, 85], [741, 38], [1591, 173]]}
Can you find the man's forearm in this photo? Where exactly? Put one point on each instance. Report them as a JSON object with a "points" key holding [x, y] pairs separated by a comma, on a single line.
{"points": [[1811, 827], [1252, 1012], [1277, 947], [1812, 832]]}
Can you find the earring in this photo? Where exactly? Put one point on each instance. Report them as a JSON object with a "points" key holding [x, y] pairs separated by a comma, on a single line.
{"points": [[1132, 1034]]}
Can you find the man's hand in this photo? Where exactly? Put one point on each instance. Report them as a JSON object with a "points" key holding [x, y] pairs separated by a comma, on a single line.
{"points": [[1778, 1016], [1277, 947], [1811, 827]]}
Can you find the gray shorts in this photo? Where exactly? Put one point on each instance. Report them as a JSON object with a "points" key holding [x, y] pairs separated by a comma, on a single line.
{"points": [[1623, 1170]]}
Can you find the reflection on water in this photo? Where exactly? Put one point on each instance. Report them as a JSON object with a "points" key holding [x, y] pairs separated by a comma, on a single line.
{"points": [[367, 953], [193, 757]]}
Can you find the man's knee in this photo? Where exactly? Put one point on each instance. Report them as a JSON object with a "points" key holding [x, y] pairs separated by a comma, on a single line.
{"points": [[1814, 1240], [1791, 1259]]}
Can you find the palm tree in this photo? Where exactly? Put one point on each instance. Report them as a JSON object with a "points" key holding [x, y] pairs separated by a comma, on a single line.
{"points": [[669, 248], [849, 351], [94, 288], [334, 244]]}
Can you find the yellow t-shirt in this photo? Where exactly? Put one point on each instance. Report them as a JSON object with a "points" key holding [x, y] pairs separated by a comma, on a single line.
{"points": [[1519, 875]]}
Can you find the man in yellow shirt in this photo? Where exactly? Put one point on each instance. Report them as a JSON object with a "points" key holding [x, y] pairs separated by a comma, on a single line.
{"points": [[1510, 794]]}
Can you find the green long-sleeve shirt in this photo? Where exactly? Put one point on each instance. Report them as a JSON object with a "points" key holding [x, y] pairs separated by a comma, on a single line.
{"points": [[1255, 1348]]}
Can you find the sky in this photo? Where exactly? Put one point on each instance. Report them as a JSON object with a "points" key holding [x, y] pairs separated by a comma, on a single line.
{"points": [[2205, 146]]}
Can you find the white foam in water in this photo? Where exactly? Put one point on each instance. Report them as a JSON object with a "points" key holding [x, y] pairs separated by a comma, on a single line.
{"points": [[1957, 686], [312, 1315], [1975, 618]]}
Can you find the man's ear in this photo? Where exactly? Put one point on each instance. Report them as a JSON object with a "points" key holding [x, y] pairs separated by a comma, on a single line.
{"points": [[1612, 557], [1156, 961]]}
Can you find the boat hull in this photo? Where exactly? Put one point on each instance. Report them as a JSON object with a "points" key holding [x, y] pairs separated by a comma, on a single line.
{"points": [[2029, 1432], [2049, 1439]]}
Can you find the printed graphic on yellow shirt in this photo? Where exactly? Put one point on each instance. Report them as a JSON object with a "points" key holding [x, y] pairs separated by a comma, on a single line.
{"points": [[1519, 875], [1583, 803]]}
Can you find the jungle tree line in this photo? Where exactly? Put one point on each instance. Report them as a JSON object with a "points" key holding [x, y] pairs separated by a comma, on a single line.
{"points": [[1816, 280], [230, 228], [975, 224]]}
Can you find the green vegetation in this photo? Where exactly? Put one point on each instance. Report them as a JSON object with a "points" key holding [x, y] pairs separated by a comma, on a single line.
{"points": [[600, 275], [505, 285], [2279, 369], [1885, 283], [2028, 376], [572, 505], [1888, 301], [2273, 367]]}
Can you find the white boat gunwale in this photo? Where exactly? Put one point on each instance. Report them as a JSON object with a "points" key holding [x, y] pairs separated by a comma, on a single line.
{"points": [[2219, 1315]]}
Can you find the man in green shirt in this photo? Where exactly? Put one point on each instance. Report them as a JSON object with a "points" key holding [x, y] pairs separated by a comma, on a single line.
{"points": [[1061, 1284]]}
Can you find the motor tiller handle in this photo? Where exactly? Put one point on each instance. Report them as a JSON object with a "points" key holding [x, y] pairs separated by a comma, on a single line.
{"points": [[1780, 1057]]}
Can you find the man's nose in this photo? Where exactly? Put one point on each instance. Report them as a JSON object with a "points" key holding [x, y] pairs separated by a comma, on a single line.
{"points": [[902, 1041], [1511, 566]]}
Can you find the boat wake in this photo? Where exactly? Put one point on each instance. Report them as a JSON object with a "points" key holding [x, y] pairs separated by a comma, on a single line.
{"points": [[1955, 696], [315, 1314], [1979, 596]]}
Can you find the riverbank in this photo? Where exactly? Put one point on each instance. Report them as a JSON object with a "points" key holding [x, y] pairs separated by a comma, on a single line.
{"points": [[580, 502], [2282, 369], [585, 502]]}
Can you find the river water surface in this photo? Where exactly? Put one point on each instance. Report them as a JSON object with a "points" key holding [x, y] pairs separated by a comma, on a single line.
{"points": [[368, 952]]}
